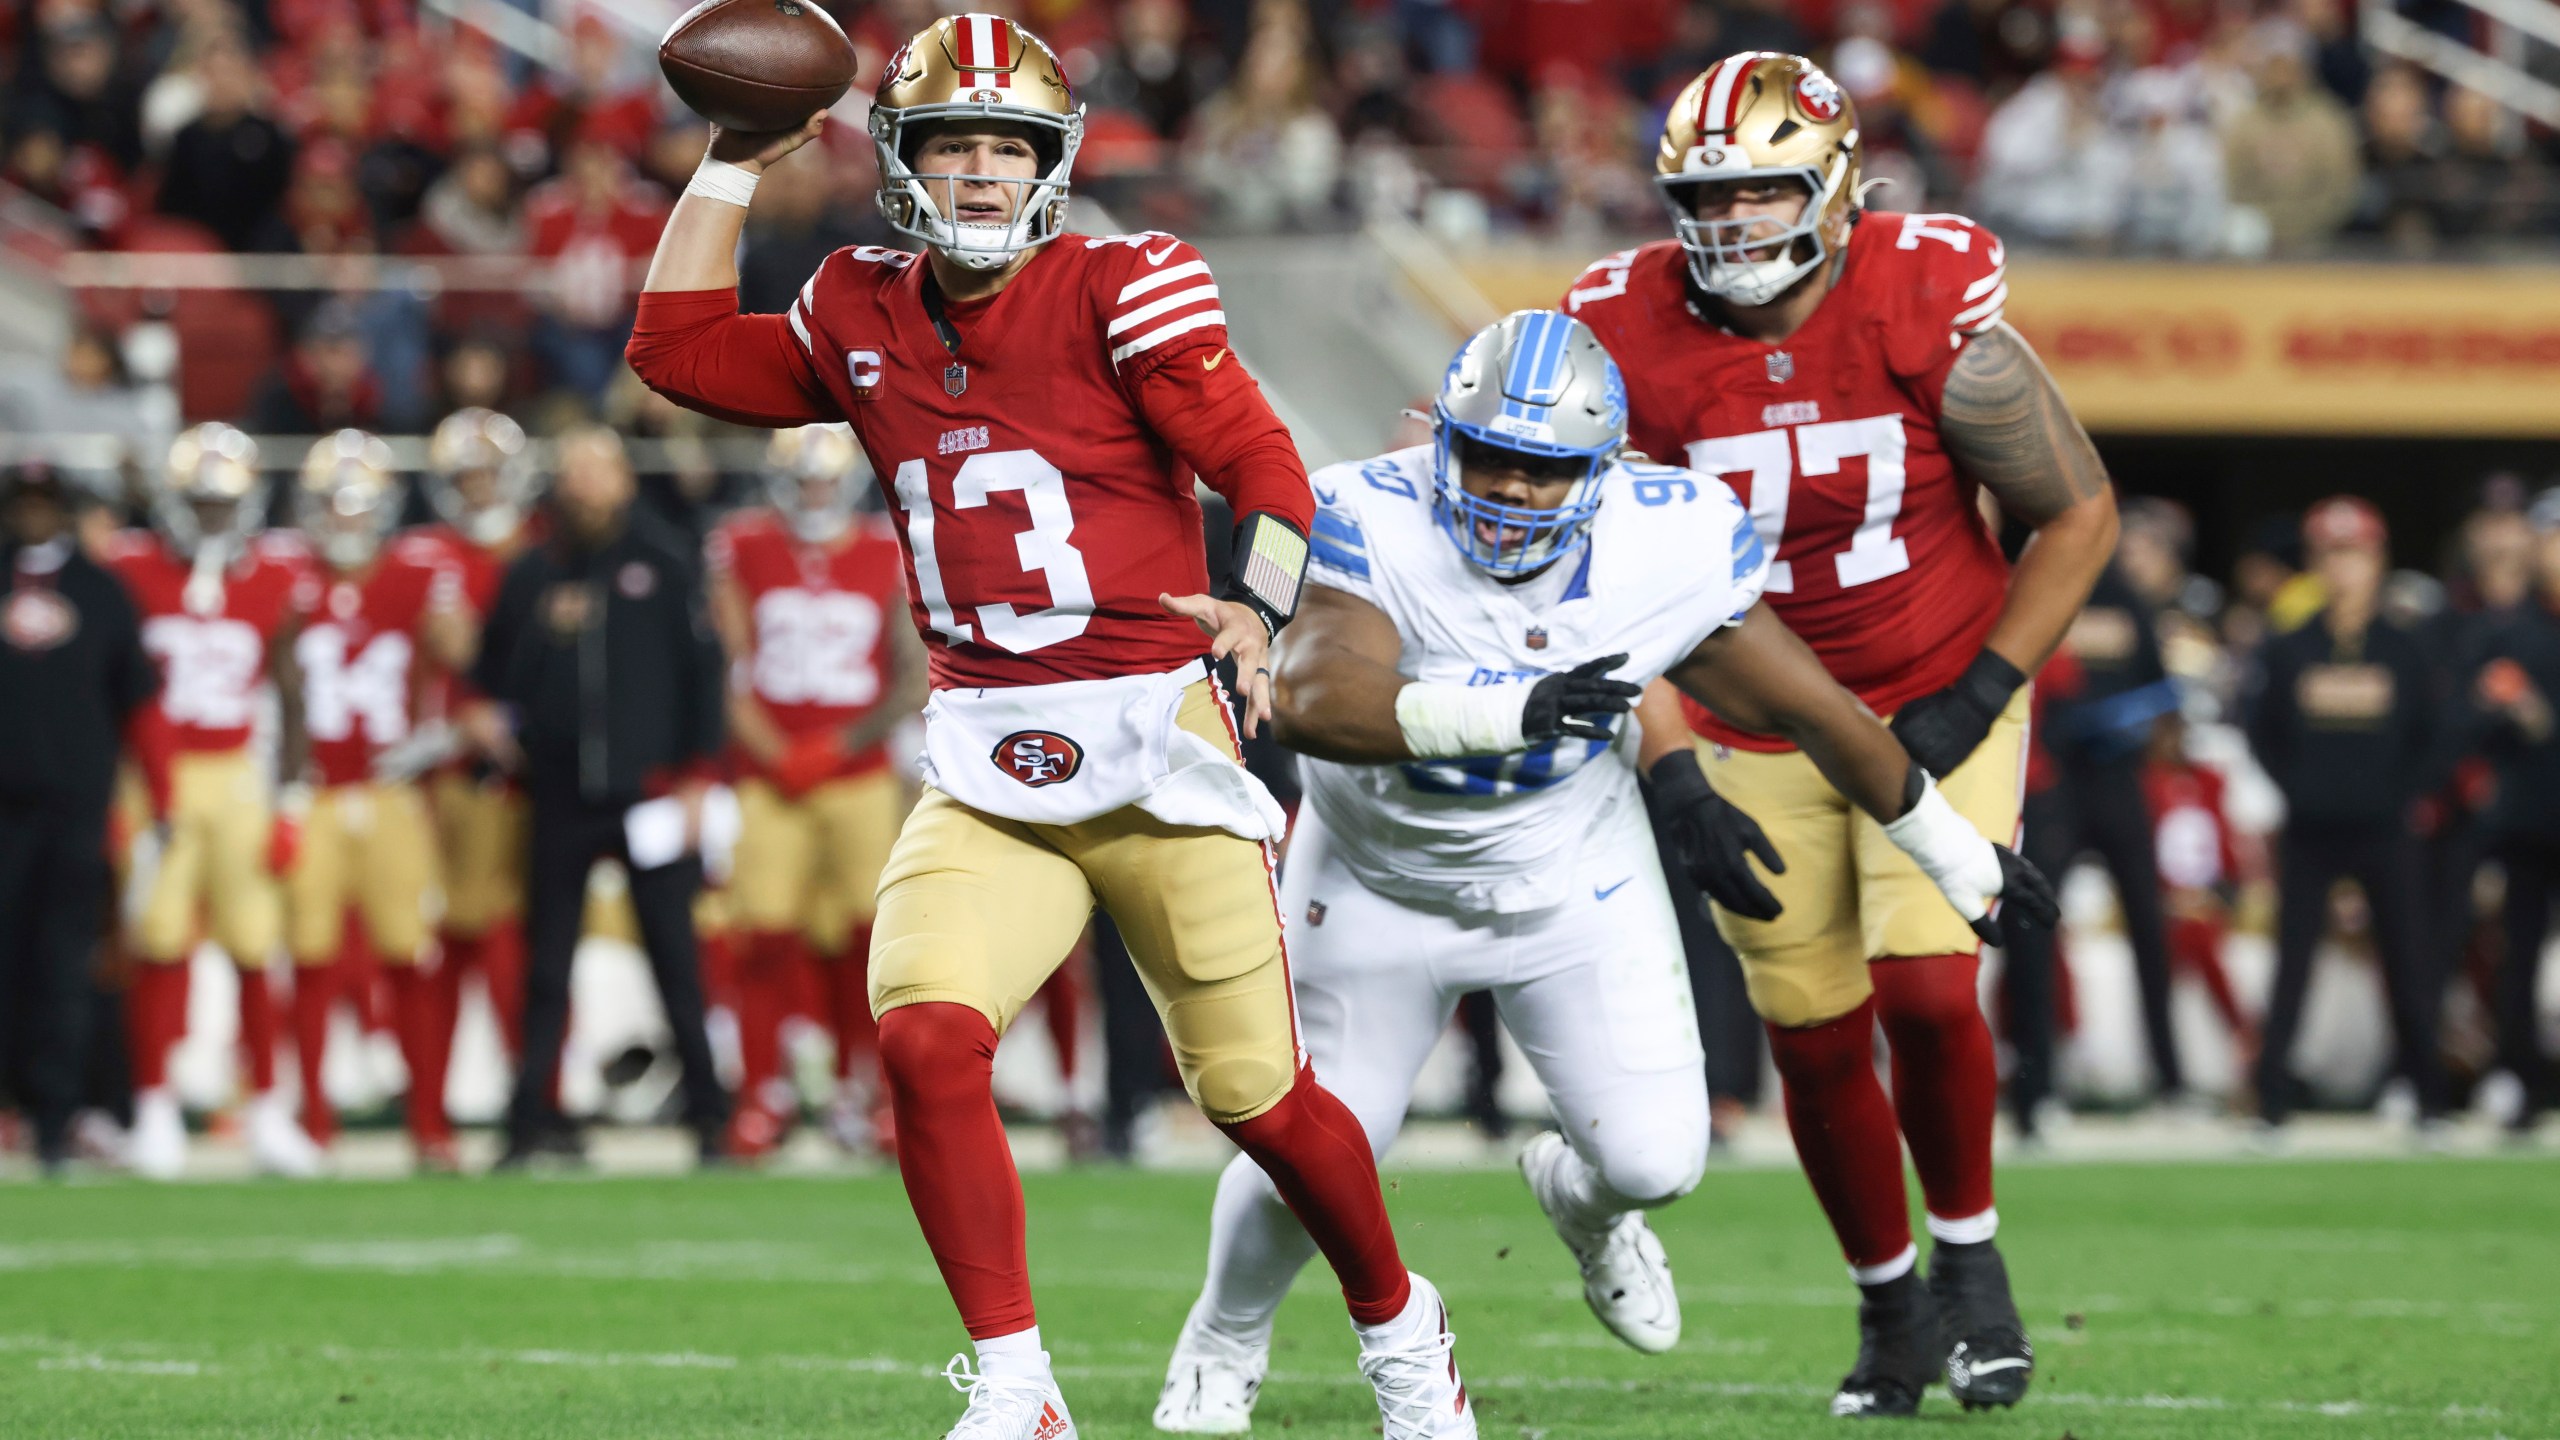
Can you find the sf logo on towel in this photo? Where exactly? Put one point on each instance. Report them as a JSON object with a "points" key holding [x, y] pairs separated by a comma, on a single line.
{"points": [[1038, 757]]}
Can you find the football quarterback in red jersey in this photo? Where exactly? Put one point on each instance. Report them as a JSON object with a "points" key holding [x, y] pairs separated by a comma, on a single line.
{"points": [[1848, 373], [481, 480], [807, 596], [218, 600], [385, 616], [1038, 402]]}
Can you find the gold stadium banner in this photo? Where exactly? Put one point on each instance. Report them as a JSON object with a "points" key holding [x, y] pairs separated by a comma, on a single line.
{"points": [[2262, 349]]}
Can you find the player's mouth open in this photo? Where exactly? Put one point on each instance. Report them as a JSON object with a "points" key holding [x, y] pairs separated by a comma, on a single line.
{"points": [[1501, 537], [981, 212]]}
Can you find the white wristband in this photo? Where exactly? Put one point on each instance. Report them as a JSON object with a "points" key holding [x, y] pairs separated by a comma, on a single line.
{"points": [[719, 180], [1950, 851], [1447, 722]]}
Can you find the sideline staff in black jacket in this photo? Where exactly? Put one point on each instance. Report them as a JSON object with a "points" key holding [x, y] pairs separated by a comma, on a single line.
{"points": [[609, 678], [2344, 715], [72, 668]]}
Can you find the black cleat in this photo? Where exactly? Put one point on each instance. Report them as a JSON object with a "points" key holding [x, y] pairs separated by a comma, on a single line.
{"points": [[1901, 1347], [1989, 1361]]}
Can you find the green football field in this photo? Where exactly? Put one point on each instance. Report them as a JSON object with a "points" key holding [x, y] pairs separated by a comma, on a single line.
{"points": [[2306, 1299]]}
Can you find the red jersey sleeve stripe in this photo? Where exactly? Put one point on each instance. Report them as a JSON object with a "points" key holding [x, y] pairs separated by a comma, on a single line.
{"points": [[1180, 299], [1159, 278]]}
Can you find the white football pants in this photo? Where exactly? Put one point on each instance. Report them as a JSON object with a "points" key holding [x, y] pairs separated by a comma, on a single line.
{"points": [[1595, 991]]}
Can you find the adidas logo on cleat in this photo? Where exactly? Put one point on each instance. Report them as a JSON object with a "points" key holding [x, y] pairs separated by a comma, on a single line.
{"points": [[1051, 1426]]}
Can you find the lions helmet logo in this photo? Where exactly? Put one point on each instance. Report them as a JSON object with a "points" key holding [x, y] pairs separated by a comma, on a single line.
{"points": [[1038, 757], [1817, 96]]}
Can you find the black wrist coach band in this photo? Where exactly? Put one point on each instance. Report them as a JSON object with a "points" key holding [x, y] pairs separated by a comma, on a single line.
{"points": [[1269, 567]]}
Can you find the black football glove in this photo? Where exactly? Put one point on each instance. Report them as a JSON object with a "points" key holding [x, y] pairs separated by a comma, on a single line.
{"points": [[1715, 839], [1565, 704], [1941, 729], [2026, 899]]}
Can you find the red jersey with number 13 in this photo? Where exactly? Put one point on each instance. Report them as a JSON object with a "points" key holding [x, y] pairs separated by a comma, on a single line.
{"points": [[1882, 562], [819, 615], [1042, 514]]}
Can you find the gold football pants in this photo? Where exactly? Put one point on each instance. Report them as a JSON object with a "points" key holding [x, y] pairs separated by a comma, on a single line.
{"points": [[365, 847], [813, 865], [977, 910], [1850, 894], [212, 872]]}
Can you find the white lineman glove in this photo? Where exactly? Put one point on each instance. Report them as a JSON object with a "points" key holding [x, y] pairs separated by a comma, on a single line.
{"points": [[1974, 874]]}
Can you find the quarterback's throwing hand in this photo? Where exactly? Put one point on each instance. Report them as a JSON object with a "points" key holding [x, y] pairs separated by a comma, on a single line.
{"points": [[1570, 703], [1235, 632], [1716, 839]]}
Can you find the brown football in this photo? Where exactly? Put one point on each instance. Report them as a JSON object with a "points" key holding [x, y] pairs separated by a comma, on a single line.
{"points": [[756, 64]]}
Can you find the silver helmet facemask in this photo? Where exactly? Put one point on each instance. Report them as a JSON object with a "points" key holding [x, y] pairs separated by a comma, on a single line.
{"points": [[1721, 252], [907, 199], [1539, 385]]}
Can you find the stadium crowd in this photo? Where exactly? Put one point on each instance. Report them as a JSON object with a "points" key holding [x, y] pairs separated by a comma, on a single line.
{"points": [[359, 128]]}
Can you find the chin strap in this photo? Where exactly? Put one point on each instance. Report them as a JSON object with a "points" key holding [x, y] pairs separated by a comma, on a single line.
{"points": [[1269, 568]]}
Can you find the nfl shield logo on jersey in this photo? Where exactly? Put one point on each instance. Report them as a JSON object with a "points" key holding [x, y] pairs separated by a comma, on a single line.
{"points": [[955, 379], [1782, 367], [1315, 912], [1038, 757], [1537, 637]]}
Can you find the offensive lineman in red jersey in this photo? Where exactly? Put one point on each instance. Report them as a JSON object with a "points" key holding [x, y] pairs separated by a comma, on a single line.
{"points": [[386, 615], [1847, 372], [218, 601], [806, 596], [1038, 401]]}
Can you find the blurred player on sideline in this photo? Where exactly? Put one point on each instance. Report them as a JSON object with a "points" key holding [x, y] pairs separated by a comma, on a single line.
{"points": [[1848, 373], [1480, 612], [480, 478], [807, 597], [1039, 402], [386, 615], [218, 599]]}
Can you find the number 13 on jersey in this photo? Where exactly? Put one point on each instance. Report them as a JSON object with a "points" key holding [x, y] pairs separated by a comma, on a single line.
{"points": [[973, 541]]}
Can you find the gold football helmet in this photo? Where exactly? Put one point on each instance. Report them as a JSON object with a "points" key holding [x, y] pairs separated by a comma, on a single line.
{"points": [[349, 498], [975, 67], [210, 491], [480, 475], [1760, 114], [814, 475]]}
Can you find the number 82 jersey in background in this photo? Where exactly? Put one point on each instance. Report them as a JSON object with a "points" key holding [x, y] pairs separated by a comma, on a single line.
{"points": [[1671, 559], [818, 616], [1882, 562]]}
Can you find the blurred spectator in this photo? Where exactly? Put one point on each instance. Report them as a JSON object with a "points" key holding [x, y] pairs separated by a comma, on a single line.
{"points": [[470, 209], [86, 393], [476, 372], [324, 382], [1757, 25], [2053, 170], [2174, 184], [801, 216], [1586, 137], [2395, 197], [2337, 56], [229, 167], [1264, 151], [1148, 71], [2343, 715], [2493, 188], [597, 225], [2510, 699], [67, 84], [1533, 43], [2291, 155], [1897, 146], [592, 101]]}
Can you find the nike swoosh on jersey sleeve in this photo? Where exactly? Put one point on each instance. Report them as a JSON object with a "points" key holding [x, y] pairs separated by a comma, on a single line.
{"points": [[1171, 297]]}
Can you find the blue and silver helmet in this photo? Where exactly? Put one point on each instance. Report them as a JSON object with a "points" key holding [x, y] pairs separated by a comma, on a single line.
{"points": [[1535, 385]]}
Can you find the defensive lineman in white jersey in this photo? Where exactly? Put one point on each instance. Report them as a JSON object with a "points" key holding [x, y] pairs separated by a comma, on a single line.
{"points": [[1486, 609]]}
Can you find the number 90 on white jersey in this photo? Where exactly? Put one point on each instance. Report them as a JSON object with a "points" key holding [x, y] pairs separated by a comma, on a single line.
{"points": [[1672, 558]]}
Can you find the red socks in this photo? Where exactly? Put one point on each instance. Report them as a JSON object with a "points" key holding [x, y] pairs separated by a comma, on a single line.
{"points": [[315, 990], [766, 962], [155, 1019], [426, 1034], [939, 1061], [1946, 1080], [1844, 1132], [1061, 1008], [257, 1027], [1318, 1159]]}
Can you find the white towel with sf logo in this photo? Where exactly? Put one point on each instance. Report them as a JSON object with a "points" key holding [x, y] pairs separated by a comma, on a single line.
{"points": [[1065, 753]]}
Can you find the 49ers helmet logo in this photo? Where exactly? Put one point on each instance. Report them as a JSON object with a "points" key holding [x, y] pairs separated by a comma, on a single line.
{"points": [[1817, 96], [1038, 757]]}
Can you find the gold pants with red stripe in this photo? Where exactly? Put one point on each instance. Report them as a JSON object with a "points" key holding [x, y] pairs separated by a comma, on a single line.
{"points": [[1850, 895], [978, 910]]}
